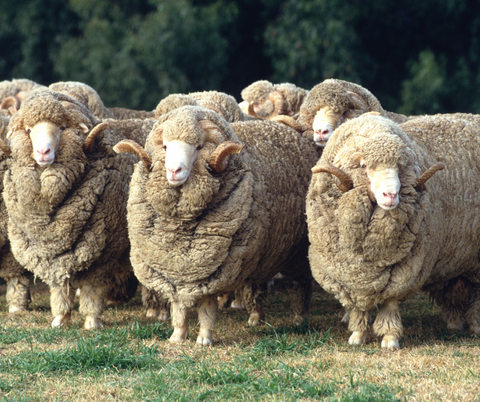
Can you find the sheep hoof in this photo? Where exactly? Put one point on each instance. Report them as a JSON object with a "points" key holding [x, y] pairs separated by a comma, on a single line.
{"points": [[204, 337], [455, 325], [60, 320], [153, 312], [475, 329], [299, 319], [390, 342], [254, 319], [179, 335], [358, 338], [16, 309], [238, 305], [93, 323], [346, 318]]}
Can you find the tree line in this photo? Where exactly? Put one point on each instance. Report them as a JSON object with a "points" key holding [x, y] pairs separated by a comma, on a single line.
{"points": [[415, 56]]}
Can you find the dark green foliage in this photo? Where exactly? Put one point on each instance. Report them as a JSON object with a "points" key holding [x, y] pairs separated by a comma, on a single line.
{"points": [[415, 56]]}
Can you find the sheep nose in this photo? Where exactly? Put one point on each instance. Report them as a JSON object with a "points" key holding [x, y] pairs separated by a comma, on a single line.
{"points": [[175, 170], [44, 151], [322, 134], [391, 196]]}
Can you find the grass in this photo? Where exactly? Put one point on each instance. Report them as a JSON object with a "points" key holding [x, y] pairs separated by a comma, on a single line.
{"points": [[132, 360]]}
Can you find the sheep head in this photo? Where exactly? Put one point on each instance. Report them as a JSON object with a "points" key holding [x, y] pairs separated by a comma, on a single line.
{"points": [[44, 117], [177, 142], [379, 158]]}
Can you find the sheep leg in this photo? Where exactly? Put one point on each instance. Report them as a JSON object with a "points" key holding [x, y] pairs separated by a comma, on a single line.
{"points": [[254, 298], [238, 302], [179, 322], [358, 324], [18, 293], [156, 305], [207, 316], [301, 301], [473, 314], [389, 324], [61, 302], [92, 304]]}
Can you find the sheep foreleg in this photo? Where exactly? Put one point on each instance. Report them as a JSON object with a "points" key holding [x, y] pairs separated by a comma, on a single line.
{"points": [[207, 316], [18, 293], [358, 324], [61, 302], [179, 322], [389, 324]]}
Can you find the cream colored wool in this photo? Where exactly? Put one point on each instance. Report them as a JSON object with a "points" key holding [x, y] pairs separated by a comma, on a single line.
{"points": [[15, 87], [67, 221], [87, 96], [258, 93], [366, 256], [220, 102], [219, 231], [17, 277], [345, 98]]}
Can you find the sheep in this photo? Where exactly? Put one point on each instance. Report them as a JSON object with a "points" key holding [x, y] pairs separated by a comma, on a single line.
{"points": [[383, 234], [262, 99], [13, 92], [17, 278], [204, 220], [65, 194], [332, 103], [87, 96], [220, 102]]}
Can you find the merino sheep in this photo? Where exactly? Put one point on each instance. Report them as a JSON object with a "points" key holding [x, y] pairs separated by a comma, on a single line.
{"points": [[203, 221], [264, 100], [17, 277], [13, 92], [87, 96], [382, 234], [220, 102], [332, 103], [65, 195]]}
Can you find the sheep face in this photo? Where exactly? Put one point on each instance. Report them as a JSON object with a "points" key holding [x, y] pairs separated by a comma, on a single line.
{"points": [[45, 137], [325, 121], [384, 184], [179, 159]]}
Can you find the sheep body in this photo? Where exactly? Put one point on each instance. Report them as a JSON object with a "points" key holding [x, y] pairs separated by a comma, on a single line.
{"points": [[67, 220], [218, 231], [367, 256]]}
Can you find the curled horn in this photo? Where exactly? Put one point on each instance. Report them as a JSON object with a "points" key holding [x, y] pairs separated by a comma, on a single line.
{"points": [[219, 158], [427, 174], [5, 148], [90, 140], [132, 147], [67, 98], [346, 182], [251, 111], [9, 102], [289, 121], [280, 105]]}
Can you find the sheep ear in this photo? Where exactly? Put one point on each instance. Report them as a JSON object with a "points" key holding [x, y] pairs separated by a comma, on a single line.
{"points": [[84, 128]]}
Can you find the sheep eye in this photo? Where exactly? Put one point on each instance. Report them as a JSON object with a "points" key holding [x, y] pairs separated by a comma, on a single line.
{"points": [[62, 128], [199, 147], [165, 147], [28, 130], [363, 165]]}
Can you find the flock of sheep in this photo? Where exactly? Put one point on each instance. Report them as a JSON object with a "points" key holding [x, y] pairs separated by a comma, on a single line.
{"points": [[204, 198]]}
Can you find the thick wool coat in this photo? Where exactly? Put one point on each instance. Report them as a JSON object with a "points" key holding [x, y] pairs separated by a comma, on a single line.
{"points": [[365, 255], [217, 231]]}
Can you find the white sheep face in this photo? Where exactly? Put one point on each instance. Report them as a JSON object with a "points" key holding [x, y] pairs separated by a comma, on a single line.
{"points": [[385, 185], [325, 121], [45, 137], [179, 160]]}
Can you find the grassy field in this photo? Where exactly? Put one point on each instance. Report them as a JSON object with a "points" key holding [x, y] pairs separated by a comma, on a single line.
{"points": [[132, 360]]}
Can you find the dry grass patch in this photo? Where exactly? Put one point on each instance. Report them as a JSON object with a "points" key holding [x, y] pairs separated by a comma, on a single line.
{"points": [[132, 360]]}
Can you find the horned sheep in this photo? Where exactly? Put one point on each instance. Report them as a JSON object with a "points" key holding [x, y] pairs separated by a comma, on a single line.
{"points": [[203, 220], [332, 103], [265, 100], [383, 234], [65, 194]]}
